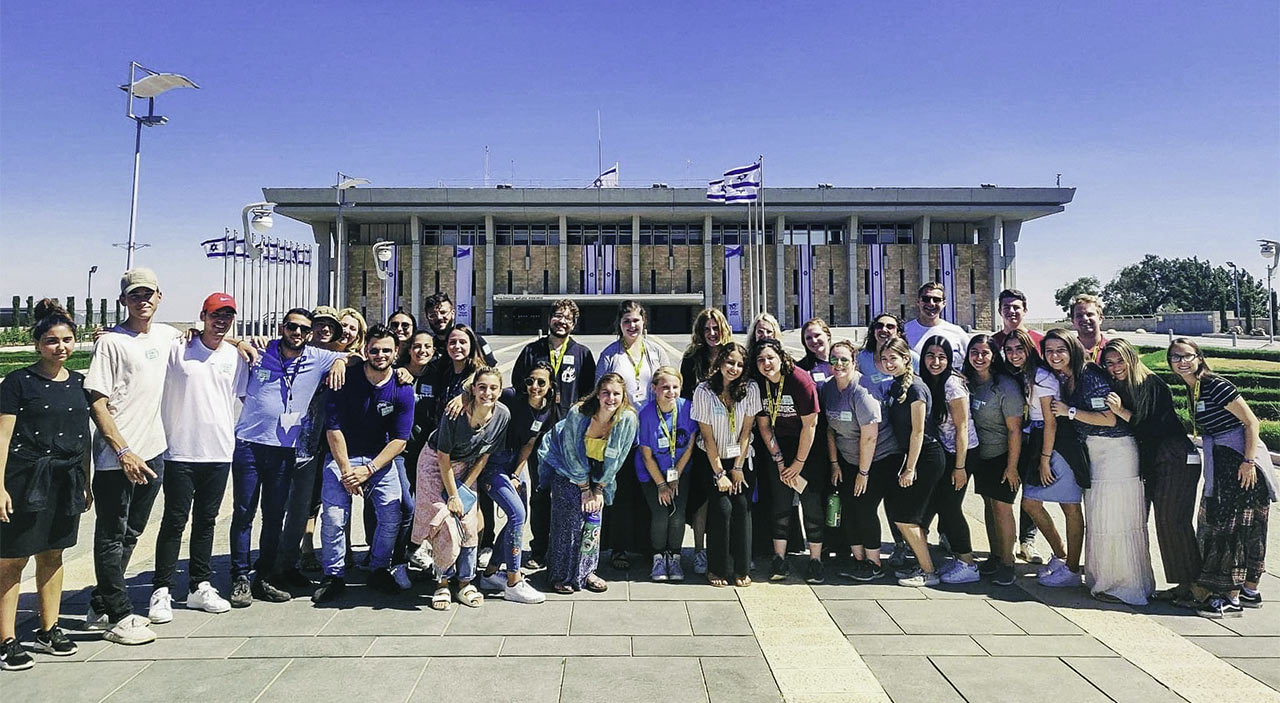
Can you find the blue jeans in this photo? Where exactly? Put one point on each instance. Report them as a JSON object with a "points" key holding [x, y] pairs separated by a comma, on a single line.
{"points": [[335, 509], [498, 484], [464, 569], [400, 553], [259, 471]]}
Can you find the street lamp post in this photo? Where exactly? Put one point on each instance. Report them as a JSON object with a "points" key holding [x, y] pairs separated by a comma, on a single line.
{"points": [[88, 294], [1235, 283], [1270, 250], [344, 182], [147, 87], [261, 223], [383, 255]]}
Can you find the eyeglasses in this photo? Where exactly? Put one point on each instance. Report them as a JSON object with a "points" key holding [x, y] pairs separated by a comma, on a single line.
{"points": [[531, 382], [401, 325], [932, 299], [1182, 358], [295, 327], [885, 326], [840, 361]]}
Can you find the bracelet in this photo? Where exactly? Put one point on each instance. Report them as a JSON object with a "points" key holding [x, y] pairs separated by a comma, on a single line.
{"points": [[959, 468], [123, 450], [662, 484], [802, 461], [585, 489], [719, 476], [864, 473], [1047, 456]]}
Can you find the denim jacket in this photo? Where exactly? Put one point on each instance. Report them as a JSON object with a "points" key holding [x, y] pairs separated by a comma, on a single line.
{"points": [[564, 451]]}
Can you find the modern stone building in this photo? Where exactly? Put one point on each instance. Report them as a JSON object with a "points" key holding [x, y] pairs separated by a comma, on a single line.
{"points": [[524, 247]]}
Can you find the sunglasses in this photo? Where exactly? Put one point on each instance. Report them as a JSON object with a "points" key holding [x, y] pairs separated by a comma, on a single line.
{"points": [[399, 325], [531, 382], [840, 361], [885, 326], [295, 327], [931, 299]]}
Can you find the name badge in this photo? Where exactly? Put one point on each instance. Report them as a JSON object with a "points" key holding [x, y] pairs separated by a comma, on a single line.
{"points": [[385, 408], [819, 377], [153, 354], [1194, 458], [536, 426], [1199, 406], [611, 452], [263, 375], [428, 391], [288, 421], [672, 476], [568, 360], [846, 416], [977, 404], [664, 443], [1098, 403], [487, 350], [732, 451]]}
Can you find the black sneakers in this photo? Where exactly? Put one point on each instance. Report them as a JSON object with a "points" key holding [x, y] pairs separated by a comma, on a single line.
{"points": [[813, 572], [263, 590], [1250, 599], [292, 578], [13, 657], [779, 569], [241, 592], [54, 642], [331, 588], [382, 581]]}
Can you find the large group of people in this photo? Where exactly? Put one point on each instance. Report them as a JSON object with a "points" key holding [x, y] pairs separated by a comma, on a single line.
{"points": [[762, 454]]}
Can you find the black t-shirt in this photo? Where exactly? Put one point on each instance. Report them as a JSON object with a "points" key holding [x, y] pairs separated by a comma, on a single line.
{"points": [[1212, 416], [422, 396], [694, 368], [526, 422], [900, 412], [574, 378], [52, 416], [485, 350]]}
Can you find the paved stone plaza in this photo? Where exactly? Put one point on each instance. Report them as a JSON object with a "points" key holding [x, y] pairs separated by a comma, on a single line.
{"points": [[642, 641]]}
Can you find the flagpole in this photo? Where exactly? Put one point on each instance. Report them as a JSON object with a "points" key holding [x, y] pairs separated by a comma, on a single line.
{"points": [[764, 272], [599, 151]]}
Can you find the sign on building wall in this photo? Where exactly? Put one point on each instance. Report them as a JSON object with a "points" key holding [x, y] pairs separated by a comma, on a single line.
{"points": [[804, 297], [947, 262], [875, 257], [462, 283], [591, 264], [733, 287], [609, 265]]}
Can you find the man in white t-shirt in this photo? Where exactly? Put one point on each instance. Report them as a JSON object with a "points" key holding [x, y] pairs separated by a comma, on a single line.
{"points": [[125, 382], [203, 381], [930, 300]]}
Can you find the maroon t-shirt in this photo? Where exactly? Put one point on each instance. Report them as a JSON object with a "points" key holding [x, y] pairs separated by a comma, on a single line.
{"points": [[797, 397]]}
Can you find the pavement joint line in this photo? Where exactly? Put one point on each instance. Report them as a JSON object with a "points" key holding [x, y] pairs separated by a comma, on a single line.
{"points": [[274, 679], [417, 681], [774, 608], [124, 683]]}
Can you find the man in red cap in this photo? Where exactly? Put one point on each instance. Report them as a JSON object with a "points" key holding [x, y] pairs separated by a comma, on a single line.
{"points": [[201, 386]]}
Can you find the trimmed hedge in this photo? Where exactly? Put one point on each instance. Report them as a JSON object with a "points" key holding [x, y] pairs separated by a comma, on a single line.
{"points": [[1222, 353]]}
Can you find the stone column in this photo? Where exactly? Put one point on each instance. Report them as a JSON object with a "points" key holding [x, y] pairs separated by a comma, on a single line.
{"points": [[1010, 230], [851, 257], [488, 272], [415, 267], [635, 254], [708, 298], [922, 247], [780, 267], [323, 262], [564, 255], [989, 234]]}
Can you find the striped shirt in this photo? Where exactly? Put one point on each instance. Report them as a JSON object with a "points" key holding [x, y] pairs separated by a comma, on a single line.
{"points": [[1212, 416], [709, 409]]}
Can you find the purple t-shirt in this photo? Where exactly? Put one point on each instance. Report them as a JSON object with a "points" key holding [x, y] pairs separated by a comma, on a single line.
{"points": [[653, 436], [370, 416]]}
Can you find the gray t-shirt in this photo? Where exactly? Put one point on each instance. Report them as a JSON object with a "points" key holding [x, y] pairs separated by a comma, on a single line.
{"points": [[847, 412], [465, 443], [990, 404]]}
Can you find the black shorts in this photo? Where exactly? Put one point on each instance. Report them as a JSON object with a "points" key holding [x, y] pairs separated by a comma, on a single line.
{"points": [[909, 505], [988, 478]]}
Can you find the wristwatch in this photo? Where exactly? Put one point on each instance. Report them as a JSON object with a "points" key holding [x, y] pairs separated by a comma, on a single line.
{"points": [[1071, 413], [719, 475]]}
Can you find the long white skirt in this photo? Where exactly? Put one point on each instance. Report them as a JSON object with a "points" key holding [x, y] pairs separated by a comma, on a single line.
{"points": [[1117, 558]]}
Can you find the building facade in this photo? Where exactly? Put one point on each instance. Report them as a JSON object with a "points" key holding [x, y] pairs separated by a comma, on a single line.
{"points": [[842, 254]]}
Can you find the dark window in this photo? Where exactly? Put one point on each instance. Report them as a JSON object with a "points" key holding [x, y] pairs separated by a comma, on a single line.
{"points": [[866, 314], [364, 283], [688, 281], [546, 282], [695, 234], [866, 281], [937, 275], [905, 234], [795, 281], [508, 280], [972, 288], [502, 235], [582, 281], [831, 282], [902, 282], [653, 281], [437, 281], [831, 315]]}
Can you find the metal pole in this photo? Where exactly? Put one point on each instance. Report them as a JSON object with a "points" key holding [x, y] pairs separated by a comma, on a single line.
{"points": [[339, 296], [1271, 313], [764, 225], [224, 260], [133, 201], [1235, 283]]}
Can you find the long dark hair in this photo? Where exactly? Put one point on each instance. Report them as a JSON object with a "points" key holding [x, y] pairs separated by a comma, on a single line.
{"points": [[403, 359], [997, 359], [1025, 376], [475, 359], [1075, 357], [869, 344], [553, 393], [938, 383], [738, 386], [49, 313]]}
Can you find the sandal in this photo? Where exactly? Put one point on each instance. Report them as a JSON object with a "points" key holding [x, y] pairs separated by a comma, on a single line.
{"points": [[563, 589], [470, 596], [620, 561], [716, 580], [441, 598], [742, 581], [595, 584]]}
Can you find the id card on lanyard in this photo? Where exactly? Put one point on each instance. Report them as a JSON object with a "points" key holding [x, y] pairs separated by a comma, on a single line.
{"points": [[733, 450], [289, 419], [668, 441]]}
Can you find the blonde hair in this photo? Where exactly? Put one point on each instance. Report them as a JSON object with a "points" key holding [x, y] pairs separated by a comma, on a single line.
{"points": [[362, 328], [699, 339], [767, 319], [667, 371]]}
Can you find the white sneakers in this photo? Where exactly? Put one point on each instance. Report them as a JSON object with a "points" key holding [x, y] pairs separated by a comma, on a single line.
{"points": [[161, 609], [961, 572], [1058, 575], [675, 571], [497, 581], [522, 592], [659, 570], [133, 629], [421, 558], [205, 598]]}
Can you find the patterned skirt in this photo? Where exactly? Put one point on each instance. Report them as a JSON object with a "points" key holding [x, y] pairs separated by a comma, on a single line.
{"points": [[571, 558], [1232, 526]]}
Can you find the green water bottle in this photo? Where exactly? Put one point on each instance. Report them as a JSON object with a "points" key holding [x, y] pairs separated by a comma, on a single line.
{"points": [[833, 510]]}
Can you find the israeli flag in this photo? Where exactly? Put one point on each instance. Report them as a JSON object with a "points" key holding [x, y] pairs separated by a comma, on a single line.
{"points": [[608, 179], [216, 248], [715, 191], [742, 185]]}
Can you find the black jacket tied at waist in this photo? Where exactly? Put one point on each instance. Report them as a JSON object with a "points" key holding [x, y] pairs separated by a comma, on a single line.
{"points": [[46, 483], [1067, 442]]}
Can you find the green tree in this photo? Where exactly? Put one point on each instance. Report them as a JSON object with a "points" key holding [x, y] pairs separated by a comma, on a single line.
{"points": [[1085, 285], [1157, 284]]}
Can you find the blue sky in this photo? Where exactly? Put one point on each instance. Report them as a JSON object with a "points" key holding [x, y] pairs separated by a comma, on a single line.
{"points": [[1165, 116]]}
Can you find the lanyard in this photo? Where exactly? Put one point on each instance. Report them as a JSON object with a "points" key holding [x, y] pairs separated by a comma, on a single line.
{"points": [[287, 377], [775, 403], [669, 432], [732, 410], [557, 359], [1193, 399], [636, 364]]}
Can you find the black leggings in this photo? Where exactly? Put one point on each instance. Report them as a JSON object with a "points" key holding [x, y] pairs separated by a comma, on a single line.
{"points": [[861, 519], [781, 496], [728, 522], [666, 522], [947, 503]]}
